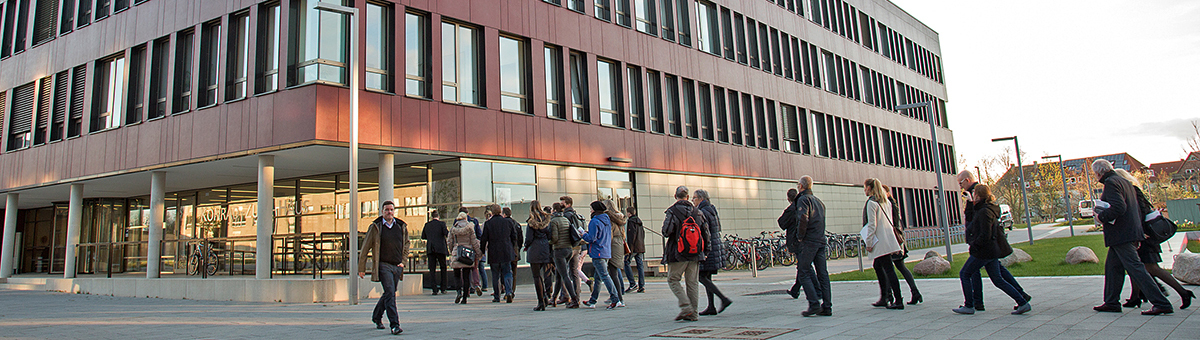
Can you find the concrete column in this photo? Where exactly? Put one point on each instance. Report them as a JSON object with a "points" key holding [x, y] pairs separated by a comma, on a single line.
{"points": [[387, 177], [74, 218], [158, 182], [266, 216], [10, 233]]}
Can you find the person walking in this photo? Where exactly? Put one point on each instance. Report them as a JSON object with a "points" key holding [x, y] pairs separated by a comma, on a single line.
{"points": [[507, 213], [387, 240], [599, 242], [713, 260], [537, 251], [898, 260], [478, 275], [881, 242], [434, 235], [462, 234], [635, 237], [616, 263], [500, 240], [967, 182], [580, 252], [987, 244], [1121, 217], [687, 238], [788, 222], [807, 233], [564, 239], [1150, 252]]}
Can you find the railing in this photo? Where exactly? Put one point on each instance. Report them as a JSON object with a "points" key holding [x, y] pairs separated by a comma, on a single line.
{"points": [[310, 253], [929, 237]]}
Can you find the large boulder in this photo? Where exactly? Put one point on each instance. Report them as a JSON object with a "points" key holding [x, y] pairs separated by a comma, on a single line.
{"points": [[1081, 254], [932, 266], [1187, 267], [1017, 256], [932, 253]]}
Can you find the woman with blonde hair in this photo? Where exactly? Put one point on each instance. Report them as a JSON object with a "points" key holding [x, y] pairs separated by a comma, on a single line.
{"points": [[881, 243], [462, 234]]}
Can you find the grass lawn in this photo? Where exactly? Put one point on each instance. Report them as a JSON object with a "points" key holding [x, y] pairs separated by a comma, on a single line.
{"points": [[1047, 256], [1194, 246], [1078, 222]]}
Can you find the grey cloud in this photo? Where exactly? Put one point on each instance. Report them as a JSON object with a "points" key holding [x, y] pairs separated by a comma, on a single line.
{"points": [[1175, 128]]}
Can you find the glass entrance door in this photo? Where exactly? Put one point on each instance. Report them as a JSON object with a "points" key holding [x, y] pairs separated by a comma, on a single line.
{"points": [[616, 186]]}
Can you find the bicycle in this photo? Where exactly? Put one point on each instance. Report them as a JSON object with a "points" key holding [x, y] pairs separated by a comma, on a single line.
{"points": [[833, 246], [201, 254]]}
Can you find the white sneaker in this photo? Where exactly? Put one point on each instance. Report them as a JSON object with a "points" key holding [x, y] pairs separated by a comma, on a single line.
{"points": [[620, 304], [589, 305]]}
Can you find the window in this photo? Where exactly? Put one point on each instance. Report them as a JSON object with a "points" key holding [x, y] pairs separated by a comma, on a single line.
{"points": [[416, 55], [85, 13], [579, 88], [62, 87], [379, 47], [460, 64], [722, 119], [20, 116], [159, 77], [791, 129], [320, 40], [765, 44], [739, 32], [748, 119], [238, 53], [575, 5], [775, 55], [608, 75], [685, 23], [44, 21], [767, 137], [654, 98], [107, 96], [706, 119], [735, 117], [136, 102], [102, 9], [786, 53], [553, 2], [752, 36], [831, 83], [182, 98], [691, 123], [78, 89], [17, 17], [622, 12], [42, 117], [727, 34], [514, 74], [602, 10], [554, 82], [636, 99], [67, 23], [672, 101], [706, 24], [645, 18], [668, 20], [266, 71], [210, 44], [120, 5]]}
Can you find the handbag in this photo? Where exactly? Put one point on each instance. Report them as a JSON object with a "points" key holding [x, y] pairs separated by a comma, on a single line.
{"points": [[1159, 229], [464, 254]]}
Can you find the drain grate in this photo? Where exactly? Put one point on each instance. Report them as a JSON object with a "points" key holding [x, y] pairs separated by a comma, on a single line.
{"points": [[725, 333]]}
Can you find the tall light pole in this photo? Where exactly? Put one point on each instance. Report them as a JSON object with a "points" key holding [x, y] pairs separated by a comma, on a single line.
{"points": [[352, 67], [937, 167], [1024, 192], [1066, 194]]}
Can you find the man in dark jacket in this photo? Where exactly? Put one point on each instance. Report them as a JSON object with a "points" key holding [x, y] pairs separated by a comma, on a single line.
{"points": [[500, 240], [786, 222], [967, 182], [1122, 221], [434, 235], [682, 265], [387, 239], [635, 237], [507, 212], [809, 246]]}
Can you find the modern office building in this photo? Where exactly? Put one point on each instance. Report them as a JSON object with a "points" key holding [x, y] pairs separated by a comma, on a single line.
{"points": [[141, 138]]}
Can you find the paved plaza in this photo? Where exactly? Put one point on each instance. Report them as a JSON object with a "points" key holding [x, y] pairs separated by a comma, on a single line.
{"points": [[1061, 309]]}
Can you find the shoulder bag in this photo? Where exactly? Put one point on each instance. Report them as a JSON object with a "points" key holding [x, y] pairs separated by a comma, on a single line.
{"points": [[464, 254]]}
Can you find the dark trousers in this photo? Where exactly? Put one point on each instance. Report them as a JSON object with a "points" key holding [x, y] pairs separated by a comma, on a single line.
{"points": [[502, 275], [711, 289], [977, 283], [389, 275], [908, 277], [813, 276], [889, 285], [970, 271], [567, 279], [641, 270], [464, 280], [539, 282], [1123, 258], [436, 260]]}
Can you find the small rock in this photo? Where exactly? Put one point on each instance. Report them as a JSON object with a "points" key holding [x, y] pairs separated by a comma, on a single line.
{"points": [[932, 266], [932, 253], [1017, 256], [1081, 254], [1187, 267]]}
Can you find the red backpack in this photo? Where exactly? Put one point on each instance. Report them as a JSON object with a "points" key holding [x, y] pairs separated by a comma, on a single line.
{"points": [[691, 240]]}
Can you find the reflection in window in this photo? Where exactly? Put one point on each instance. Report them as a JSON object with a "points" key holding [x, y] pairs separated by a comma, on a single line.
{"points": [[579, 88], [667, 24], [159, 78], [645, 17], [136, 99], [321, 43], [602, 10], [267, 70], [654, 99], [685, 24], [622, 9], [554, 82], [636, 99], [609, 77], [722, 119], [239, 52], [416, 55], [735, 118], [378, 50], [706, 119], [706, 24], [109, 89], [182, 98], [460, 64], [210, 43], [672, 101], [691, 124], [514, 57]]}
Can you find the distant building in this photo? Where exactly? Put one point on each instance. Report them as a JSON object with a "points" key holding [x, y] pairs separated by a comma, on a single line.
{"points": [[1182, 172]]}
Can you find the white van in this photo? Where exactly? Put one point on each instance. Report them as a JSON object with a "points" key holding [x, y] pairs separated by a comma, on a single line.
{"points": [[1085, 208]]}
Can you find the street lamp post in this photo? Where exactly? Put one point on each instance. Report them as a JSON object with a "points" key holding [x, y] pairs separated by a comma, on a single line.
{"points": [[937, 167], [1066, 194], [352, 67], [1024, 193]]}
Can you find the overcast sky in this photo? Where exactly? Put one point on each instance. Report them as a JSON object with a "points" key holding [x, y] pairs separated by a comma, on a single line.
{"points": [[1077, 78]]}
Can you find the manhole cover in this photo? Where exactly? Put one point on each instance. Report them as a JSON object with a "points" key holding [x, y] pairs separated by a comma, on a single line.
{"points": [[725, 333], [769, 292]]}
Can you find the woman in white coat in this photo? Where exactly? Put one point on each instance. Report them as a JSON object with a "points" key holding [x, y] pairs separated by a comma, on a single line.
{"points": [[881, 242]]}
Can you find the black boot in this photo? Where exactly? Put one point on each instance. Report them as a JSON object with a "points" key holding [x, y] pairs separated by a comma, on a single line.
{"points": [[916, 298]]}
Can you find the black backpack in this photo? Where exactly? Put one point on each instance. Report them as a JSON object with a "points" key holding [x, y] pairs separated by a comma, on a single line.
{"points": [[1159, 229]]}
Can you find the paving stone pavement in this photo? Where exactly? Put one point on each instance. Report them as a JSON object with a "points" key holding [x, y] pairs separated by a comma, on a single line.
{"points": [[1061, 310]]}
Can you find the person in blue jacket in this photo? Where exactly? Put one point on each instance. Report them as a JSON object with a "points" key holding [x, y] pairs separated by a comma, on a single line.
{"points": [[599, 243]]}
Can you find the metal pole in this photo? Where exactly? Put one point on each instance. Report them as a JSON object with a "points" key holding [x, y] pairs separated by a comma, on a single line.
{"points": [[753, 261], [1024, 192], [1066, 197], [941, 195]]}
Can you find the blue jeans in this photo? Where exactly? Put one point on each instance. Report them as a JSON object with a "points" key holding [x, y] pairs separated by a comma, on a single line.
{"points": [[616, 279], [641, 270], [389, 275], [600, 267], [978, 284], [969, 272], [502, 275]]}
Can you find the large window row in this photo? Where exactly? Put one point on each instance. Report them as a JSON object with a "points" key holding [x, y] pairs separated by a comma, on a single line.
{"points": [[668, 19], [50, 18], [912, 152], [894, 46], [919, 207]]}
